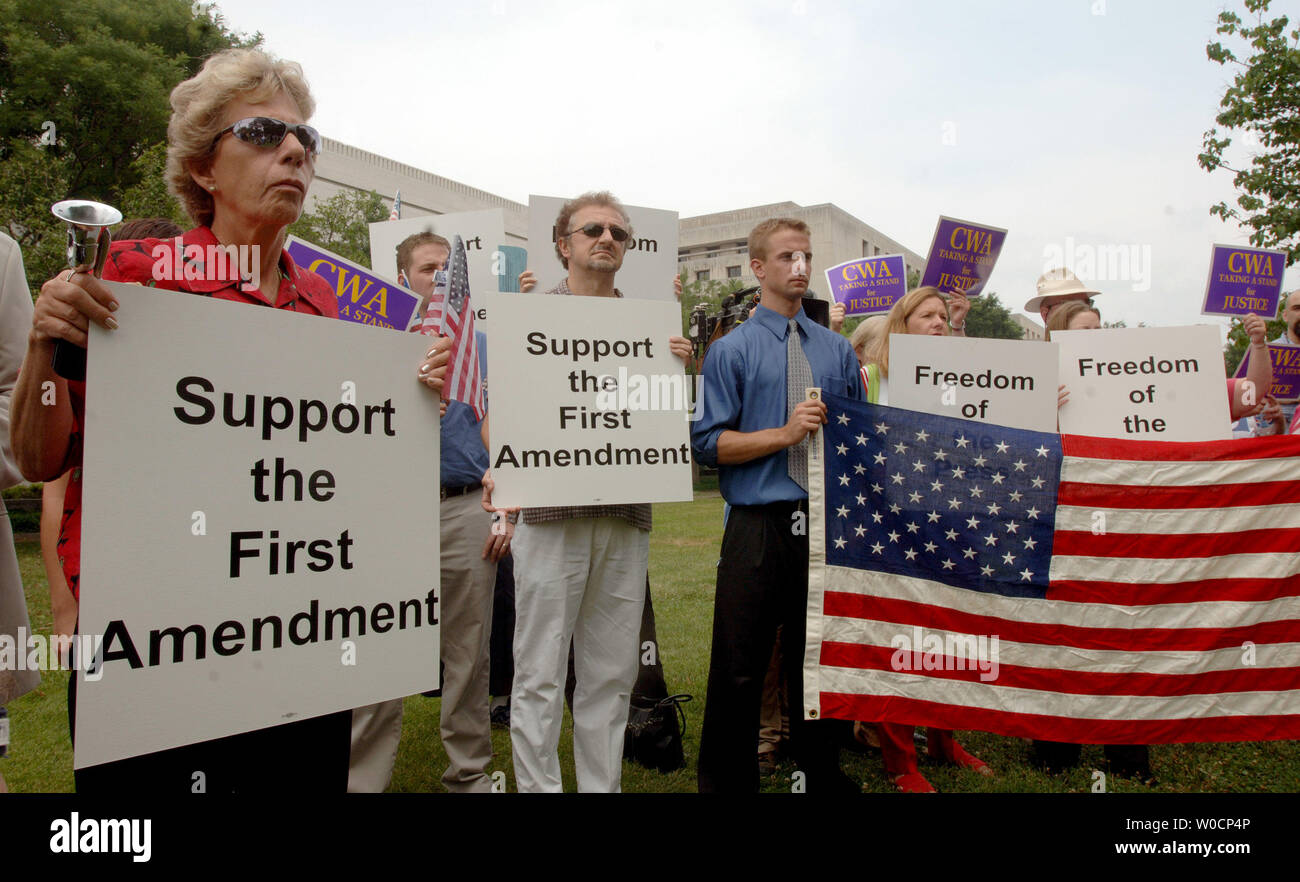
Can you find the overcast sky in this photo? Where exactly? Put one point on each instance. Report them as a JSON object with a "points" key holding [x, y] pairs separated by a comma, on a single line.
{"points": [[1075, 124]]}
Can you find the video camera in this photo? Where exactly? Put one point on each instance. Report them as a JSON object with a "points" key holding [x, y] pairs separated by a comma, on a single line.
{"points": [[705, 328]]}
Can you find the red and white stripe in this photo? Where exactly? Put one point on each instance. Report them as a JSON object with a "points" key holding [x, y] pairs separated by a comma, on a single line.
{"points": [[1180, 623], [464, 383]]}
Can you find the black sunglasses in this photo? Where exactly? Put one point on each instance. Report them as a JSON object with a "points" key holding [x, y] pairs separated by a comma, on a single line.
{"points": [[263, 131], [595, 231]]}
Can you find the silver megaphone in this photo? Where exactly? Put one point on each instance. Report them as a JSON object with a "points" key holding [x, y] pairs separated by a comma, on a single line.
{"points": [[88, 242]]}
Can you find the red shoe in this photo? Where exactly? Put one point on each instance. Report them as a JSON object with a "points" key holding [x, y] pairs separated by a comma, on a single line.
{"points": [[913, 782], [967, 760]]}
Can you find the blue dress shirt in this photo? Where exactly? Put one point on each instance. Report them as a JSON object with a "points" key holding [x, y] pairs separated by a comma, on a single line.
{"points": [[744, 390], [464, 458]]}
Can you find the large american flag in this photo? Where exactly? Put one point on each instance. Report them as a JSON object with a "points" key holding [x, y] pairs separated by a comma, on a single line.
{"points": [[1140, 592], [449, 314]]}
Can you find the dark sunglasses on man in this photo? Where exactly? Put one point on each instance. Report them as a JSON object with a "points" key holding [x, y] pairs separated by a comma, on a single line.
{"points": [[264, 131], [595, 231]]}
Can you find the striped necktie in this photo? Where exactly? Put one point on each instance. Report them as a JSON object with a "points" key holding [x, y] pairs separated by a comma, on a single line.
{"points": [[798, 375]]}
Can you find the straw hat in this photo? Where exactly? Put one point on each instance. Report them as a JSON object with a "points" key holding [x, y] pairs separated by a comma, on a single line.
{"points": [[1059, 282]]}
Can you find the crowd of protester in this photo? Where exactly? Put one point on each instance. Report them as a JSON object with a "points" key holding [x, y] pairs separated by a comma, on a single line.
{"points": [[568, 584]]}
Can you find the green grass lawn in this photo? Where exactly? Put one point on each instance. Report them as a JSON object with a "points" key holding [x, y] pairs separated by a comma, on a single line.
{"points": [[683, 556]]}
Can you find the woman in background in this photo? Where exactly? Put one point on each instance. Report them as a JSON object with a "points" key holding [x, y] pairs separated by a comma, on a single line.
{"points": [[1247, 396], [866, 337], [920, 311], [1077, 315], [1125, 760]]}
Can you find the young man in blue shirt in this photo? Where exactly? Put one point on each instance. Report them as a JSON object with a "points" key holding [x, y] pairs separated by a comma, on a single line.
{"points": [[753, 430]]}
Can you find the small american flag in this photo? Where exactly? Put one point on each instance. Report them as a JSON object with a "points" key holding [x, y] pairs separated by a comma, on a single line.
{"points": [[464, 382], [396, 213], [1128, 592]]}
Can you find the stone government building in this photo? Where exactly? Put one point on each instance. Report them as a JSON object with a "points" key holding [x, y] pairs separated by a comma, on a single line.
{"points": [[711, 246], [343, 167]]}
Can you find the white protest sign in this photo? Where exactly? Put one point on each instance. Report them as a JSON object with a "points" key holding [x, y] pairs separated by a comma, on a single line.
{"points": [[484, 232], [649, 260], [588, 404], [1004, 382], [1159, 384], [258, 522]]}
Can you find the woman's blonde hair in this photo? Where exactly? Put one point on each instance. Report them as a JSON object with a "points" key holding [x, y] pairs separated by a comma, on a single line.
{"points": [[897, 323], [866, 336], [1061, 316], [198, 114]]}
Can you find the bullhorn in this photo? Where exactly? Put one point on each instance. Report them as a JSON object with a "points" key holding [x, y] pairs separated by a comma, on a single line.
{"points": [[88, 242]]}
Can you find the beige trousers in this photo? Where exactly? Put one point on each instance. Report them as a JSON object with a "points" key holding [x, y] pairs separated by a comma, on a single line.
{"points": [[465, 626], [582, 578]]}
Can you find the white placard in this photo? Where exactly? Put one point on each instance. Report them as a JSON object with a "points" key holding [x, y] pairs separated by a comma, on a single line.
{"points": [[1004, 382], [484, 233], [175, 532], [649, 262], [602, 422], [1158, 384]]}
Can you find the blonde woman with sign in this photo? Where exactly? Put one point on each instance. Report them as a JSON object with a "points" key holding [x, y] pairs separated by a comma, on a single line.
{"points": [[920, 311]]}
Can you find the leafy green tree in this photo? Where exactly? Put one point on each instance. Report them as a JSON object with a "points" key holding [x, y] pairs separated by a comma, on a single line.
{"points": [[851, 323], [1263, 102], [989, 318], [149, 196], [30, 182], [342, 222], [709, 293], [84, 88]]}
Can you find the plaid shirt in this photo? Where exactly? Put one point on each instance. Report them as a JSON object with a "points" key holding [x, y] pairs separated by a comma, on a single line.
{"points": [[636, 514]]}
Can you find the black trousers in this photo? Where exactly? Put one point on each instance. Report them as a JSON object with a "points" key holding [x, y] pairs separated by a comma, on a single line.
{"points": [[501, 645], [762, 583], [1123, 759]]}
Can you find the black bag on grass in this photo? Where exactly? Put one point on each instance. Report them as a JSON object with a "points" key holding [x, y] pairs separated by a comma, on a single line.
{"points": [[654, 732]]}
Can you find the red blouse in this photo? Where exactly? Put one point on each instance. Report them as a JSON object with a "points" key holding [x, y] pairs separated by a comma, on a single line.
{"points": [[199, 266]]}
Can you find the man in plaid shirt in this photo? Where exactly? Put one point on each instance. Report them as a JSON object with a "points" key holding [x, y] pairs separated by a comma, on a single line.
{"points": [[580, 572]]}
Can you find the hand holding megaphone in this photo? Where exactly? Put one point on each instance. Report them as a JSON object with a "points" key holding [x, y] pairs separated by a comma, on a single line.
{"points": [[88, 243]]}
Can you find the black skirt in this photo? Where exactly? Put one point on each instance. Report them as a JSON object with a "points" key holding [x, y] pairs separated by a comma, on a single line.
{"points": [[307, 756]]}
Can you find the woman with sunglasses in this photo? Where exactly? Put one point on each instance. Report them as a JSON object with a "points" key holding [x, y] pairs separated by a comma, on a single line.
{"points": [[919, 311], [240, 159]]}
